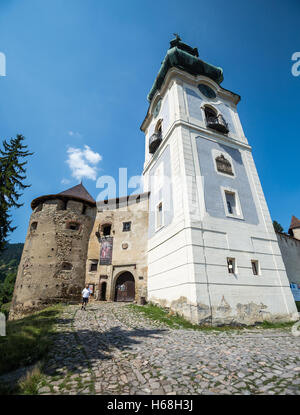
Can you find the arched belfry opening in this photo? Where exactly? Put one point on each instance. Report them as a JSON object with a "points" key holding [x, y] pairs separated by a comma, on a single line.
{"points": [[125, 287]]}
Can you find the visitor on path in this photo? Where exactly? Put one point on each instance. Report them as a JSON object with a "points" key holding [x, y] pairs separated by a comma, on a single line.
{"points": [[85, 297]]}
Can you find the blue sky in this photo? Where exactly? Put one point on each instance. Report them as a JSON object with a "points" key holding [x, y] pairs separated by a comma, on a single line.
{"points": [[79, 71]]}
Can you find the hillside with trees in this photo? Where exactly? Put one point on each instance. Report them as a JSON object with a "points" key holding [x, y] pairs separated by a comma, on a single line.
{"points": [[9, 261]]}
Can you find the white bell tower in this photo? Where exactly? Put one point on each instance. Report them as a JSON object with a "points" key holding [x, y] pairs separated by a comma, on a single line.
{"points": [[213, 254]]}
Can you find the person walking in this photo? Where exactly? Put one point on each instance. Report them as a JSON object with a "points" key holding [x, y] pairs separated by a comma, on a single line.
{"points": [[85, 297]]}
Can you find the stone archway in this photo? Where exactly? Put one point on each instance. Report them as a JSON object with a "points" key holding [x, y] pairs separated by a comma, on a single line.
{"points": [[125, 287]]}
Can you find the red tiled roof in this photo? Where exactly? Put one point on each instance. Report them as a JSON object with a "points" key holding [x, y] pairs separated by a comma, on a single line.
{"points": [[77, 192], [295, 223]]}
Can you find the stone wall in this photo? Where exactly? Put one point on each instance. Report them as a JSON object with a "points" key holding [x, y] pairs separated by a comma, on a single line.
{"points": [[290, 251], [52, 267], [129, 247]]}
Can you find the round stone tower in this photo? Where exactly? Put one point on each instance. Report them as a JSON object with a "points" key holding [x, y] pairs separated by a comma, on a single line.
{"points": [[52, 267], [294, 229]]}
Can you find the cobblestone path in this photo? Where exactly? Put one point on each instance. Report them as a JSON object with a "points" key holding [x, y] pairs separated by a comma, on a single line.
{"points": [[110, 349]]}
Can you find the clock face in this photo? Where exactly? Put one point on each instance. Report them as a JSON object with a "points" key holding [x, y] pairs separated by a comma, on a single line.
{"points": [[207, 91], [157, 108]]}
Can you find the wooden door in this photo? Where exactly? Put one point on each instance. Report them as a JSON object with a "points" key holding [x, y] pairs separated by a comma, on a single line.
{"points": [[125, 287]]}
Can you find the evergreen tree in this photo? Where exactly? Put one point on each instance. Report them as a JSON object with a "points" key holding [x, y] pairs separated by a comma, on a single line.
{"points": [[12, 175], [277, 226]]}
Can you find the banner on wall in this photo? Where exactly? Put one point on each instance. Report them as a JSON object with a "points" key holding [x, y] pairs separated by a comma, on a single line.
{"points": [[106, 251]]}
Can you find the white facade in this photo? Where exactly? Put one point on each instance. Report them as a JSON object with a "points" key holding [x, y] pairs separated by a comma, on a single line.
{"points": [[187, 255]]}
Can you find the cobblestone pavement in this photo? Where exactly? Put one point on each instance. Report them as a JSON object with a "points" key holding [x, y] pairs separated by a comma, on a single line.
{"points": [[112, 350]]}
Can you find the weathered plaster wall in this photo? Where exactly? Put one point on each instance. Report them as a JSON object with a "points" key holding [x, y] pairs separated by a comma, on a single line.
{"points": [[52, 266], [290, 251], [187, 260], [132, 259]]}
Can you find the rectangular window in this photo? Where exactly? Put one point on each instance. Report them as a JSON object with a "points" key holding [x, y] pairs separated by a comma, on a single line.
{"points": [[231, 265], [94, 265], [159, 177], [255, 267], [231, 203], [126, 226], [159, 215]]}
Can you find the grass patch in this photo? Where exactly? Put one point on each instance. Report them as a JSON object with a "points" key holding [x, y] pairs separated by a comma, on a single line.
{"points": [[30, 383], [175, 321], [28, 339], [270, 325]]}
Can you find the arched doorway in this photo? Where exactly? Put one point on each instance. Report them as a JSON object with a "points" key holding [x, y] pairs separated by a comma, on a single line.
{"points": [[125, 287], [103, 291]]}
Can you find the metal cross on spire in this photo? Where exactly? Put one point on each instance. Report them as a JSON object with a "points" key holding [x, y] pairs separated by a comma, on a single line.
{"points": [[177, 36]]}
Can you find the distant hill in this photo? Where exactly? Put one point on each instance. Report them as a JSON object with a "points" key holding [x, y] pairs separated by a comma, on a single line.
{"points": [[9, 262]]}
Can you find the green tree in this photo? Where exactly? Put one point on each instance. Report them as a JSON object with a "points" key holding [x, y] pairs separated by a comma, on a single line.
{"points": [[277, 226], [12, 175]]}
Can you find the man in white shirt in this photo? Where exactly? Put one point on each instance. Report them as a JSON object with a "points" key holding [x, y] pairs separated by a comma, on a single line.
{"points": [[85, 297]]}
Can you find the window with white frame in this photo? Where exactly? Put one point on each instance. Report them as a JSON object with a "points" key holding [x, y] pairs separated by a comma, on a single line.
{"points": [[159, 177], [231, 265], [255, 267], [159, 215], [231, 203]]}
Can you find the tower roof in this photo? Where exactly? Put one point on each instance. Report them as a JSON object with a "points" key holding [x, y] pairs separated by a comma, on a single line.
{"points": [[295, 223], [184, 57], [77, 192]]}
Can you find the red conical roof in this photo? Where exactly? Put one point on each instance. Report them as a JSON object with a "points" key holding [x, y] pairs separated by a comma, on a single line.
{"points": [[77, 192], [295, 223]]}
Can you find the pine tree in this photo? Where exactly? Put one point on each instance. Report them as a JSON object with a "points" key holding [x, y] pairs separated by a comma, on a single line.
{"points": [[12, 175], [277, 226]]}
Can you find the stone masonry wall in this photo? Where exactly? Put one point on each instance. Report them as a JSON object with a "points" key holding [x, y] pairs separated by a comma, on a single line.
{"points": [[129, 248], [52, 267]]}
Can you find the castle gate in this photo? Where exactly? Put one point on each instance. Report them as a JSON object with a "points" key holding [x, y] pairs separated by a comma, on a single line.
{"points": [[125, 287]]}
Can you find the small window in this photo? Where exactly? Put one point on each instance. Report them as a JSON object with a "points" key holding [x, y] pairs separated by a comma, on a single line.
{"points": [[93, 265], [33, 226], [74, 226], [66, 266], [255, 267], [231, 265], [231, 203], [106, 229], [126, 226], [159, 215]]}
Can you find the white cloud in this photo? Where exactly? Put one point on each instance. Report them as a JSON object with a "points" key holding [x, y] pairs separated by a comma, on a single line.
{"points": [[65, 181], [83, 162], [91, 156], [74, 134]]}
